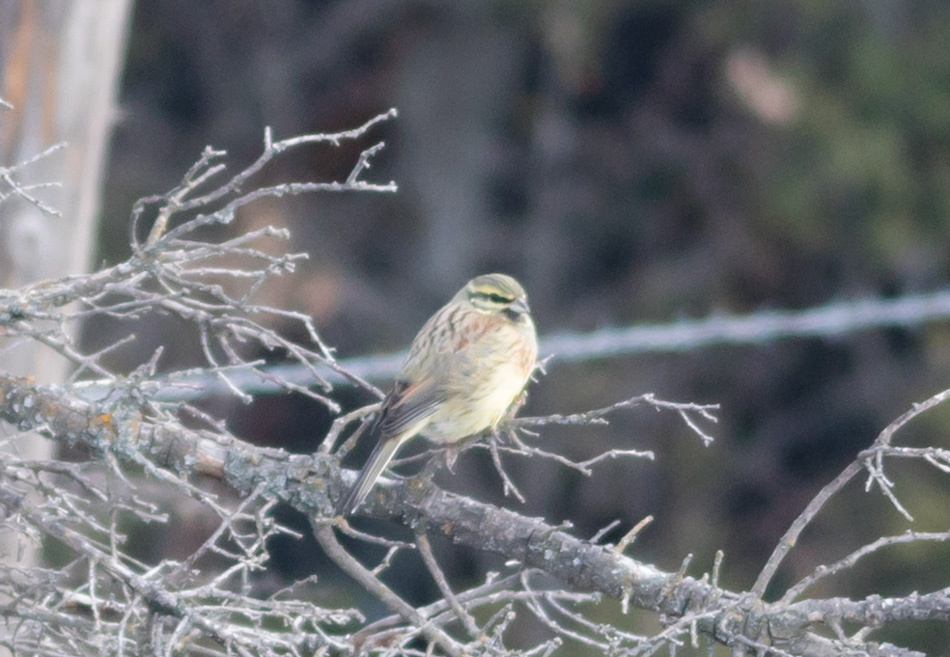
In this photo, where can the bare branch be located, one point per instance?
(369, 581)
(18, 190)
(865, 458)
(849, 561)
(196, 280)
(425, 549)
(310, 483)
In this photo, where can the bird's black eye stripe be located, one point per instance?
(497, 298)
(494, 297)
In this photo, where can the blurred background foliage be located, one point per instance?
(630, 161)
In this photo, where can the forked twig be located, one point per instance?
(376, 588)
(863, 461)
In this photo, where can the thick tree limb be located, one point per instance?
(312, 483)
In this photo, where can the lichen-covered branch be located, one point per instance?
(312, 483)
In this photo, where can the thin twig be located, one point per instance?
(790, 538)
(372, 584)
(849, 561)
(631, 535)
(425, 550)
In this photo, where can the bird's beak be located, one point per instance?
(520, 306)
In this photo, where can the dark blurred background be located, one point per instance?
(628, 161)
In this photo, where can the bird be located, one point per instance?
(465, 368)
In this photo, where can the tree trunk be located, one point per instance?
(59, 68)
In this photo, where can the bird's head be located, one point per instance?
(497, 293)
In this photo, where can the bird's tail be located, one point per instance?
(378, 460)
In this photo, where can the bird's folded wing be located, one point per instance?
(409, 405)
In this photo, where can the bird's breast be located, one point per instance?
(487, 373)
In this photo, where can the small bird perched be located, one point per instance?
(465, 368)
